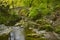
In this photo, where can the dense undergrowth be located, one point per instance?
(32, 14)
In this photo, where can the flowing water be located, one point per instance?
(17, 34)
(13, 33)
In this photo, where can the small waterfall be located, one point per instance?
(17, 34)
(14, 32)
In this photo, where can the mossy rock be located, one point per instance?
(4, 37)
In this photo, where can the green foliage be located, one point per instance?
(5, 13)
(4, 37)
(57, 29)
(43, 39)
(32, 9)
(35, 13)
(40, 7)
(48, 27)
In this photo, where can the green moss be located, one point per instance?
(57, 29)
(4, 37)
(33, 37)
(43, 39)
